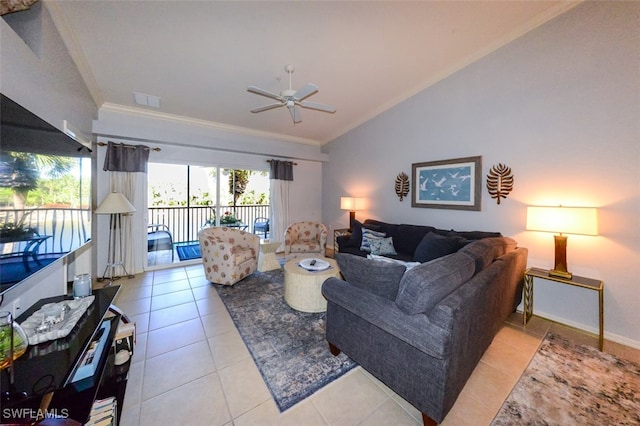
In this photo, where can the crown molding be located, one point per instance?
(188, 121)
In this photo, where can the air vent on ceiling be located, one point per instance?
(146, 100)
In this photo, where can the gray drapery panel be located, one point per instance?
(281, 170)
(126, 158)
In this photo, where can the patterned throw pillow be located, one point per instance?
(382, 246)
(367, 235)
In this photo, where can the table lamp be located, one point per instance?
(352, 204)
(562, 220)
(114, 204)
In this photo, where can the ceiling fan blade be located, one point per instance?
(261, 92)
(267, 107)
(295, 114)
(317, 106)
(306, 91)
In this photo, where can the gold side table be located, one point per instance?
(588, 283)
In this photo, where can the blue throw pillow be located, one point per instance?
(434, 246)
(367, 235)
(382, 246)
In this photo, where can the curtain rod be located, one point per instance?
(295, 164)
(129, 146)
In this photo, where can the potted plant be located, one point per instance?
(228, 218)
(10, 231)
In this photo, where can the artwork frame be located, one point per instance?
(447, 184)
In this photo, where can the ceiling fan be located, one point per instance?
(292, 99)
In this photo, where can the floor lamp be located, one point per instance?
(115, 204)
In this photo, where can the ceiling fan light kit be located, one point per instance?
(292, 99)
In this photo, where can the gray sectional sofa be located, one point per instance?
(423, 331)
(417, 243)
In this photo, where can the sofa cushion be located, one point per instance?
(367, 236)
(423, 287)
(469, 235)
(434, 246)
(382, 246)
(377, 277)
(408, 237)
(484, 251)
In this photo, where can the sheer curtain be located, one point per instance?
(281, 177)
(127, 165)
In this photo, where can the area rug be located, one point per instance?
(571, 384)
(189, 251)
(289, 347)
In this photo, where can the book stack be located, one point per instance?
(103, 412)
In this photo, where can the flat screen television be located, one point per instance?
(45, 194)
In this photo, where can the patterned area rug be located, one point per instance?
(289, 347)
(570, 384)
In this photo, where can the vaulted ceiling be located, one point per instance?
(199, 57)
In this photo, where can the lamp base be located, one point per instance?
(560, 274)
(560, 268)
(113, 277)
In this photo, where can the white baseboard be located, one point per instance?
(607, 335)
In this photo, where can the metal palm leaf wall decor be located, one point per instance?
(499, 181)
(402, 185)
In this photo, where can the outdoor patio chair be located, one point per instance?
(261, 226)
(159, 238)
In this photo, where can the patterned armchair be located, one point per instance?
(305, 238)
(228, 254)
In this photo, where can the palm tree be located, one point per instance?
(238, 180)
(20, 171)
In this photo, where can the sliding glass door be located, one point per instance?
(182, 199)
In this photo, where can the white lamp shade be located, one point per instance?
(347, 203)
(351, 203)
(115, 203)
(563, 220)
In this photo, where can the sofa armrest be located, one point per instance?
(416, 330)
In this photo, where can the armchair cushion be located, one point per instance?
(378, 277)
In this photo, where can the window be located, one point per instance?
(184, 199)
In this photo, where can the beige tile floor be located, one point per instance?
(191, 367)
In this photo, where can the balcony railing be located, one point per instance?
(67, 228)
(185, 222)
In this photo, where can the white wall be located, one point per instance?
(184, 141)
(49, 85)
(561, 107)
